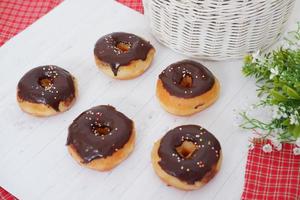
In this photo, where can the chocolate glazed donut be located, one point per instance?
(187, 87)
(101, 133)
(188, 155)
(121, 51)
(202, 80)
(48, 86)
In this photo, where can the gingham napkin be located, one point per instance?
(16, 15)
(134, 4)
(4, 195)
(274, 175)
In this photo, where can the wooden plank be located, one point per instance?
(34, 161)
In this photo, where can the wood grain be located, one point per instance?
(34, 160)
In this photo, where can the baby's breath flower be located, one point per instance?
(296, 151)
(294, 119)
(274, 72)
(256, 56)
(278, 112)
(267, 148)
(277, 144)
(278, 79)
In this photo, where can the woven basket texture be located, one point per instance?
(218, 29)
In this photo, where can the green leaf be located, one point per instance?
(292, 93)
(248, 59)
(296, 131)
(278, 96)
(286, 122)
(297, 85)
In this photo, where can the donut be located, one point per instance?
(46, 90)
(187, 157)
(186, 87)
(123, 55)
(101, 138)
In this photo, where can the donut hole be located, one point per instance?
(186, 81)
(186, 149)
(101, 130)
(46, 83)
(123, 46)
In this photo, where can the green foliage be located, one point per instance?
(277, 77)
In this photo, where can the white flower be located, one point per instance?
(267, 148)
(274, 72)
(275, 141)
(298, 142)
(278, 112)
(277, 145)
(294, 119)
(296, 151)
(257, 56)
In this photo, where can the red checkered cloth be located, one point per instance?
(4, 195)
(16, 15)
(272, 176)
(134, 4)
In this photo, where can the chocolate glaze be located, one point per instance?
(106, 49)
(61, 89)
(194, 168)
(91, 145)
(202, 79)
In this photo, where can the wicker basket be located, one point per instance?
(217, 29)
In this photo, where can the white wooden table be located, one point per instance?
(34, 160)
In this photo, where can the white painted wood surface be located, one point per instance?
(34, 160)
